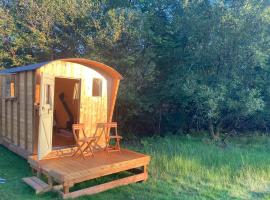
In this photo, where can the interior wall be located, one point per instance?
(66, 86)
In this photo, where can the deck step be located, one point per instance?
(37, 184)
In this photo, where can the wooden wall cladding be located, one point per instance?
(17, 114)
(92, 109)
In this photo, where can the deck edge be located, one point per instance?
(106, 186)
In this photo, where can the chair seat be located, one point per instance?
(115, 137)
(88, 139)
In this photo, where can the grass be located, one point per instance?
(182, 167)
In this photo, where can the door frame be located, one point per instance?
(78, 80)
(80, 85)
(37, 110)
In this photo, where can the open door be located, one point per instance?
(45, 116)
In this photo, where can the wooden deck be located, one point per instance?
(68, 170)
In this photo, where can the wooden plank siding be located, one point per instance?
(37, 80)
(92, 109)
(18, 110)
(3, 111)
(17, 114)
(8, 118)
(21, 98)
(15, 117)
(20, 115)
(29, 110)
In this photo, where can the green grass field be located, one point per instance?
(182, 167)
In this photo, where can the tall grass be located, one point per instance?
(239, 171)
(182, 167)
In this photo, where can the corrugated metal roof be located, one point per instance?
(23, 68)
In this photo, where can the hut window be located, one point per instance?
(10, 86)
(97, 87)
(76, 91)
(37, 94)
(48, 94)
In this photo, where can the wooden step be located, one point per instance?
(38, 185)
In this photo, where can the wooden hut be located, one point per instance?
(39, 104)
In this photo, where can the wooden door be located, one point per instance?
(45, 116)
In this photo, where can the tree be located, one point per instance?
(199, 64)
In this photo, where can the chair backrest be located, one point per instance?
(77, 129)
(108, 126)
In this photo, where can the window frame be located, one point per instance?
(100, 89)
(8, 80)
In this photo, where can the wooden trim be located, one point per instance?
(10, 98)
(3, 113)
(12, 121)
(16, 149)
(29, 110)
(105, 186)
(18, 110)
(68, 77)
(25, 111)
(113, 98)
(22, 109)
(95, 65)
(33, 110)
(8, 111)
(6, 124)
(36, 114)
(1, 96)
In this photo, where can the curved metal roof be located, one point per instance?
(23, 68)
(89, 63)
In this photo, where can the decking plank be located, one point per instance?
(69, 170)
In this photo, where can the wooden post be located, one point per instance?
(38, 173)
(145, 173)
(145, 169)
(50, 180)
(66, 189)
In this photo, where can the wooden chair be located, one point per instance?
(99, 135)
(108, 137)
(84, 144)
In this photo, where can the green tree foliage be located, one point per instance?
(188, 64)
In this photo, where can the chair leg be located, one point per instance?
(118, 145)
(107, 144)
(88, 146)
(79, 149)
(92, 152)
